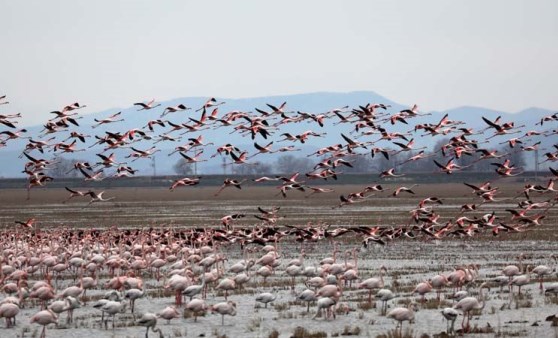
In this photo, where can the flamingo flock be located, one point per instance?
(191, 265)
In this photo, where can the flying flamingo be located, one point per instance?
(390, 173)
(229, 182)
(212, 102)
(110, 119)
(147, 106)
(169, 110)
(98, 197)
(27, 224)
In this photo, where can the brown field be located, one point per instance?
(197, 206)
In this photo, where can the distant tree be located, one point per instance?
(64, 168)
(380, 163)
(361, 164)
(438, 155)
(255, 169)
(290, 163)
(515, 156)
(183, 168)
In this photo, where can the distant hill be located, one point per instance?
(319, 102)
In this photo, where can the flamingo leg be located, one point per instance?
(452, 325)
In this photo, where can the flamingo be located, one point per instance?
(541, 271)
(384, 295)
(467, 304)
(401, 314)
(194, 290)
(265, 298)
(178, 283)
(98, 197)
(44, 318)
(438, 282)
(27, 224)
(110, 119)
(307, 296)
(168, 313)
(422, 289)
(226, 284)
(326, 303)
(373, 283)
(520, 281)
(147, 106)
(149, 320)
(224, 308)
(450, 314)
(75, 193)
(133, 294)
(212, 102)
(169, 110)
(112, 308)
(9, 311)
(196, 306)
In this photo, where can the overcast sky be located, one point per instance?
(440, 54)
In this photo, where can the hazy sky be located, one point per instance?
(439, 54)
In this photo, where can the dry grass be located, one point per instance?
(300, 332)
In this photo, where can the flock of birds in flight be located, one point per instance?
(369, 123)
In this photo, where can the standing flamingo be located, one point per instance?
(326, 303)
(401, 314)
(9, 311)
(149, 320)
(307, 296)
(450, 314)
(168, 313)
(44, 318)
(224, 308)
(467, 304)
(265, 298)
(384, 295)
(196, 306)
